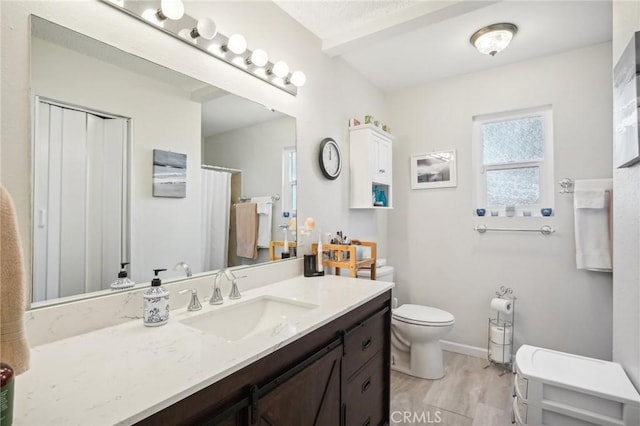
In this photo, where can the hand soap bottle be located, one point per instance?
(156, 303)
(123, 280)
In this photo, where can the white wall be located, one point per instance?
(440, 261)
(262, 170)
(626, 203)
(334, 92)
(163, 230)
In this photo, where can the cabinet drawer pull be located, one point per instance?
(382, 171)
(366, 384)
(367, 422)
(366, 343)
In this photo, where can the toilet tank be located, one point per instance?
(384, 272)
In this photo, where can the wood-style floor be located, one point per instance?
(468, 395)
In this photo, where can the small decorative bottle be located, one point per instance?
(6, 395)
(285, 247)
(320, 257)
(156, 303)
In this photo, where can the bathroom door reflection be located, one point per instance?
(79, 200)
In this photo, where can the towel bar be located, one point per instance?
(544, 230)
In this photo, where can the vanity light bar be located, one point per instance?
(217, 46)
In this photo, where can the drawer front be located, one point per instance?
(363, 342)
(364, 402)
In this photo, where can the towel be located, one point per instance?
(264, 220)
(592, 209)
(14, 349)
(594, 199)
(247, 230)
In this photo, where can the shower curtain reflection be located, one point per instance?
(216, 202)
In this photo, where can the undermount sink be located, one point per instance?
(245, 318)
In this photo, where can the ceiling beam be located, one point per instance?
(422, 14)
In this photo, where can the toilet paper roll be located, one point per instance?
(500, 334)
(500, 353)
(501, 305)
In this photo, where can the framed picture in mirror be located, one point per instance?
(169, 174)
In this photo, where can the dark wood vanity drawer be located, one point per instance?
(363, 342)
(365, 394)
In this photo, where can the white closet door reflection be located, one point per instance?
(78, 200)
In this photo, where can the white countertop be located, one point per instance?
(124, 373)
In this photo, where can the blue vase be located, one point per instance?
(382, 198)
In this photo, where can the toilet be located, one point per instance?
(421, 327)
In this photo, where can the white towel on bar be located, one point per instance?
(264, 205)
(593, 199)
(591, 202)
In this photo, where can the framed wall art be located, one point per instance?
(433, 170)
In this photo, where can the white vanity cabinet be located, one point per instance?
(560, 389)
(370, 165)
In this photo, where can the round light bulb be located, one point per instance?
(172, 9)
(237, 44)
(298, 78)
(205, 28)
(150, 15)
(259, 58)
(280, 69)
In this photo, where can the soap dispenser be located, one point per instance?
(123, 280)
(156, 303)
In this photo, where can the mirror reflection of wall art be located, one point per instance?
(169, 174)
(433, 170)
(625, 105)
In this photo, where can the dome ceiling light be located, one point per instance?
(493, 38)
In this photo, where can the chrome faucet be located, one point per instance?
(235, 292)
(185, 267)
(216, 297)
(194, 304)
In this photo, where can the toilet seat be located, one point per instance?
(423, 315)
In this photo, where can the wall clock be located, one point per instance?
(330, 158)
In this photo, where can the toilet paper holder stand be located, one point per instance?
(500, 334)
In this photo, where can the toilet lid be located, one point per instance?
(423, 314)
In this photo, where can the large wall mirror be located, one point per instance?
(134, 162)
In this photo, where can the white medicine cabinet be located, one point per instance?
(370, 163)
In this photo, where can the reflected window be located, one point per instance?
(289, 181)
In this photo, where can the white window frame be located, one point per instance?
(545, 165)
(287, 183)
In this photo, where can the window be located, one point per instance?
(289, 181)
(514, 161)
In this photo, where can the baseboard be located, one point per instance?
(459, 348)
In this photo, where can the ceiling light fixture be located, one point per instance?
(493, 38)
(169, 17)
